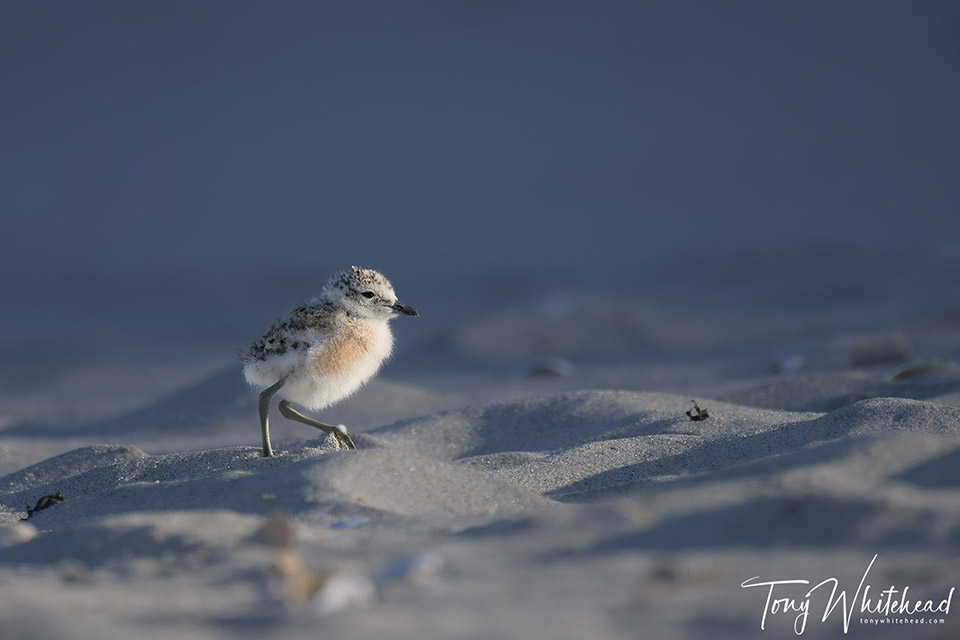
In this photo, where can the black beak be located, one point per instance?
(403, 309)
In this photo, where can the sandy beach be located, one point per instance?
(686, 365)
(503, 504)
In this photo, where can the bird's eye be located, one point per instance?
(367, 294)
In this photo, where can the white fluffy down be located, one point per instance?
(306, 389)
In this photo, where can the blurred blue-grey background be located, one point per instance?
(181, 172)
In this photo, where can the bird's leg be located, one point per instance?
(290, 413)
(265, 397)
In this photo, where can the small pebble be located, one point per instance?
(547, 366)
(932, 366)
(16, 533)
(294, 583)
(291, 580)
(342, 590)
(278, 531)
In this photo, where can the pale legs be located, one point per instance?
(288, 412)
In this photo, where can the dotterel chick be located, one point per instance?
(324, 350)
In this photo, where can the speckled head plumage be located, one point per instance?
(355, 279)
(364, 293)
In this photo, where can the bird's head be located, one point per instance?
(365, 293)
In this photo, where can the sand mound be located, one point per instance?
(580, 446)
(317, 483)
(590, 444)
(574, 488)
(558, 421)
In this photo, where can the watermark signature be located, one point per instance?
(892, 605)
